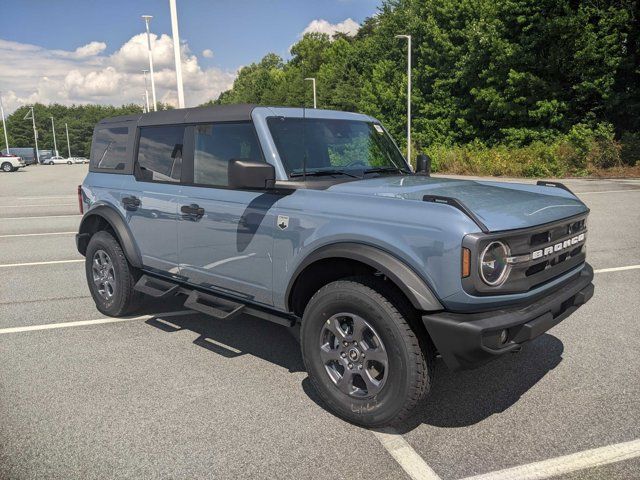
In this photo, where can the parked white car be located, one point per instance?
(58, 160)
(11, 163)
(79, 160)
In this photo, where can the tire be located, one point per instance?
(7, 167)
(69, 163)
(111, 282)
(401, 384)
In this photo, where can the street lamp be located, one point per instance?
(32, 116)
(147, 19)
(313, 81)
(4, 125)
(68, 144)
(55, 144)
(146, 89)
(408, 38)
(176, 51)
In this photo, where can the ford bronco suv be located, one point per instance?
(313, 219)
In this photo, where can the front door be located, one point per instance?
(225, 236)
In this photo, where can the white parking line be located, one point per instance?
(47, 205)
(609, 191)
(617, 269)
(405, 455)
(36, 234)
(30, 264)
(82, 323)
(41, 217)
(553, 467)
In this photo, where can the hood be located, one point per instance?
(499, 205)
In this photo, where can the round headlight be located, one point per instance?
(494, 268)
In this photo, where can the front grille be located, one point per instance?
(540, 255)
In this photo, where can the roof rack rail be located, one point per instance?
(455, 203)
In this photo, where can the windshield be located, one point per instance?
(333, 147)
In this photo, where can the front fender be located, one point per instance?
(415, 289)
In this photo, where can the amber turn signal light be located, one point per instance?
(466, 262)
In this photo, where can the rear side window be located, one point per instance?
(160, 153)
(216, 145)
(109, 148)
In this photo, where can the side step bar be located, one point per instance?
(213, 306)
(154, 287)
(210, 304)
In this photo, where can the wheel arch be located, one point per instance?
(100, 217)
(325, 263)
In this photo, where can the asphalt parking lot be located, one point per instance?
(173, 394)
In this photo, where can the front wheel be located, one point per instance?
(361, 354)
(110, 276)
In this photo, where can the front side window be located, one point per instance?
(160, 153)
(318, 145)
(216, 145)
(109, 148)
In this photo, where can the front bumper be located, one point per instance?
(467, 340)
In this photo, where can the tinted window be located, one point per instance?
(216, 145)
(160, 153)
(109, 148)
(346, 145)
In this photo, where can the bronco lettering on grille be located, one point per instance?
(558, 247)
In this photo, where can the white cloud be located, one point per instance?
(86, 75)
(348, 27)
(207, 53)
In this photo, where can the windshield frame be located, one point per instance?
(393, 157)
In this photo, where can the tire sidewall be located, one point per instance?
(383, 407)
(4, 167)
(104, 241)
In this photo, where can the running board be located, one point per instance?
(213, 306)
(154, 287)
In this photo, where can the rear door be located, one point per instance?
(150, 196)
(225, 235)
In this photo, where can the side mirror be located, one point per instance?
(249, 174)
(423, 165)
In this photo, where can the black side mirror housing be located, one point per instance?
(423, 165)
(252, 175)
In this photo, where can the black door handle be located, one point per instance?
(131, 203)
(193, 210)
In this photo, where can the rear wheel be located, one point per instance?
(7, 167)
(110, 276)
(361, 354)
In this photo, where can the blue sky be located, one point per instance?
(41, 47)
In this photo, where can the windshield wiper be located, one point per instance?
(320, 173)
(384, 169)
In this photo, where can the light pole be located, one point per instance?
(146, 89)
(35, 132)
(313, 82)
(4, 125)
(55, 144)
(408, 37)
(68, 144)
(147, 19)
(176, 51)
(145, 110)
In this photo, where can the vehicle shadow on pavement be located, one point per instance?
(460, 399)
(241, 336)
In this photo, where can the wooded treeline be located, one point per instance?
(487, 74)
(513, 87)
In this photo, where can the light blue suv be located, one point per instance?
(313, 218)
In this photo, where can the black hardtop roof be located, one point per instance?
(214, 113)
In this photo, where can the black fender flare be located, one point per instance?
(119, 226)
(412, 285)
